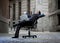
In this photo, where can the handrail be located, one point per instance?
(55, 12)
(3, 19)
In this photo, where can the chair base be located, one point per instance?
(33, 36)
(29, 34)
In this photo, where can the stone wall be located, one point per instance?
(23, 6)
(3, 27)
(4, 14)
(53, 5)
(53, 22)
(33, 5)
(47, 23)
(43, 23)
(4, 5)
(42, 5)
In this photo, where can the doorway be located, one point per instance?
(19, 10)
(58, 14)
(58, 4)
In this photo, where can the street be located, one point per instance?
(42, 37)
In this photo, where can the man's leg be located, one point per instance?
(21, 24)
(17, 32)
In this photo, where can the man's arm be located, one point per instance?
(42, 15)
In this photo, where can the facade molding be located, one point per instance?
(55, 12)
(3, 19)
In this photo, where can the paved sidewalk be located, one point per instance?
(42, 37)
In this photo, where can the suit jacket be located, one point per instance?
(35, 17)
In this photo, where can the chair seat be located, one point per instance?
(29, 27)
(33, 36)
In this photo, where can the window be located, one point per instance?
(13, 11)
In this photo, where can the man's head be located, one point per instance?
(39, 12)
(25, 12)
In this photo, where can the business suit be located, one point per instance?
(30, 22)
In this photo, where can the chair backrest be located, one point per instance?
(31, 26)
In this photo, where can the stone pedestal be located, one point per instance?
(3, 25)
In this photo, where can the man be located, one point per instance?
(24, 17)
(30, 22)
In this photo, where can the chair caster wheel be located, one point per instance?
(35, 36)
(23, 36)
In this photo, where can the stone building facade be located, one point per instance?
(11, 10)
(50, 21)
(4, 16)
(48, 7)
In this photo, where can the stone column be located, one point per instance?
(4, 15)
(16, 10)
(24, 6)
(53, 20)
(11, 15)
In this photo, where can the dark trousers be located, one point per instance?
(22, 24)
(19, 25)
(17, 32)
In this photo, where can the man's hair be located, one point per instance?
(39, 12)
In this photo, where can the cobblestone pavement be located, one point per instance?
(42, 37)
